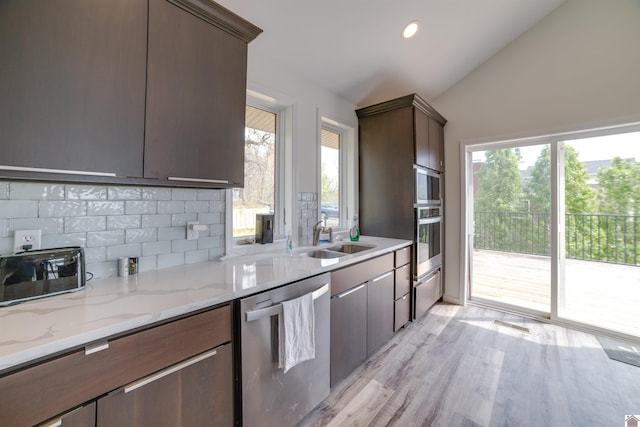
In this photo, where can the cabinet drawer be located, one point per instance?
(39, 392)
(402, 312)
(427, 293)
(402, 256)
(349, 277)
(403, 281)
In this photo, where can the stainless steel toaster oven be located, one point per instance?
(41, 273)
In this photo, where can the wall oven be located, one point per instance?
(428, 246)
(427, 187)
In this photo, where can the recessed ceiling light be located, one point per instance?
(410, 29)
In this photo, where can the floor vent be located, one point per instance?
(512, 326)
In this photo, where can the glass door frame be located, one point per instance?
(557, 250)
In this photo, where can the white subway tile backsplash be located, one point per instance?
(184, 194)
(103, 269)
(86, 192)
(62, 240)
(113, 221)
(141, 207)
(156, 194)
(105, 238)
(140, 235)
(124, 193)
(93, 255)
(105, 208)
(196, 206)
(47, 225)
(84, 223)
(192, 257)
(115, 252)
(169, 260)
(4, 190)
(172, 233)
(147, 263)
(184, 245)
(36, 191)
(6, 245)
(124, 222)
(163, 220)
(171, 207)
(63, 208)
(156, 248)
(18, 209)
(178, 220)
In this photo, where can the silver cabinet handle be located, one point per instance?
(404, 297)
(95, 347)
(350, 291)
(382, 277)
(170, 370)
(213, 181)
(54, 423)
(277, 308)
(60, 171)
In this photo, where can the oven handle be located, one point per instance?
(430, 220)
(276, 309)
(423, 279)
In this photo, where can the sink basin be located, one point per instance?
(351, 248)
(323, 254)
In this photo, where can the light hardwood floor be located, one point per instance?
(457, 367)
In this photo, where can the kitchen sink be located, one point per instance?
(351, 248)
(337, 251)
(323, 254)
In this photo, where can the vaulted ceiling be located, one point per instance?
(354, 48)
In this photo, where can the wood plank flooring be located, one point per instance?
(457, 367)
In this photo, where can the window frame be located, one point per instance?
(283, 174)
(347, 170)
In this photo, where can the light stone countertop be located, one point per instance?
(105, 307)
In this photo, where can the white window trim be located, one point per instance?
(283, 211)
(348, 169)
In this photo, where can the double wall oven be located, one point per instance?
(428, 240)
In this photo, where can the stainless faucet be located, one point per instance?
(317, 230)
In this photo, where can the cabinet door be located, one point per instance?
(198, 394)
(427, 293)
(348, 331)
(73, 85)
(84, 416)
(196, 92)
(379, 311)
(421, 129)
(436, 146)
(403, 281)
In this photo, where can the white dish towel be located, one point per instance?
(296, 337)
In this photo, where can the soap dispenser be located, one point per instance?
(354, 232)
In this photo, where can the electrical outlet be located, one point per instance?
(23, 238)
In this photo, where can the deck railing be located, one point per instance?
(593, 237)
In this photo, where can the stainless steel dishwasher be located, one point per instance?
(269, 396)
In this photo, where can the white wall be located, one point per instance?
(579, 68)
(310, 102)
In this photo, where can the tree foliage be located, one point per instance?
(619, 188)
(499, 182)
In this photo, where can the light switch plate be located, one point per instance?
(191, 233)
(27, 237)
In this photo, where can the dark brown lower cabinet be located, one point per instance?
(348, 331)
(84, 416)
(195, 392)
(379, 311)
(427, 292)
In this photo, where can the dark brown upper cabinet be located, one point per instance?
(72, 85)
(416, 123)
(123, 91)
(196, 95)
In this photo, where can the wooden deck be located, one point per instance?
(595, 293)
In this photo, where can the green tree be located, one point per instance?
(579, 197)
(619, 187)
(499, 182)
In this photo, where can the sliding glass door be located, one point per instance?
(511, 199)
(553, 228)
(601, 261)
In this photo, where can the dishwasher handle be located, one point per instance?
(276, 309)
